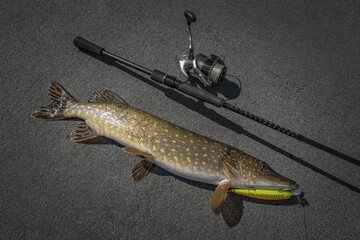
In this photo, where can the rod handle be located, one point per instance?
(88, 46)
(196, 92)
(201, 94)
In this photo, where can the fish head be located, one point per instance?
(267, 178)
(247, 171)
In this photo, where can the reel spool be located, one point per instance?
(214, 68)
(209, 70)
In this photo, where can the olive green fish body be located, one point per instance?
(173, 148)
(177, 150)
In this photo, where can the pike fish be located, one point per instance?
(177, 150)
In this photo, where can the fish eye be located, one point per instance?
(264, 166)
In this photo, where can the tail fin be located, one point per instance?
(54, 111)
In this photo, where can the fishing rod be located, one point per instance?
(181, 86)
(208, 70)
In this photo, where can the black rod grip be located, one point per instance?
(195, 92)
(87, 45)
(201, 94)
(158, 76)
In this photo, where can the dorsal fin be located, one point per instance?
(106, 96)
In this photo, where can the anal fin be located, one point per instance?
(83, 133)
(141, 170)
(135, 151)
(219, 195)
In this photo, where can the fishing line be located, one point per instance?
(305, 225)
(304, 203)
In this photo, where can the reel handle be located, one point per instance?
(88, 46)
(190, 17)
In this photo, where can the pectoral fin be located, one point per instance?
(219, 195)
(141, 170)
(136, 152)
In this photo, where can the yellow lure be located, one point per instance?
(265, 194)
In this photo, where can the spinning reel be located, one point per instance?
(209, 70)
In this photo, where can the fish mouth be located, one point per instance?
(282, 186)
(293, 188)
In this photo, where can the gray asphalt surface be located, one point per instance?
(298, 62)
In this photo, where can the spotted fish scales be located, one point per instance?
(178, 150)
